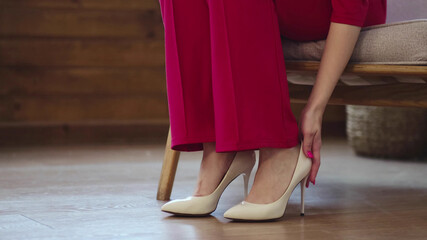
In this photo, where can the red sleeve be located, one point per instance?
(352, 12)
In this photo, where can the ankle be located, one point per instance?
(212, 169)
(275, 170)
(273, 154)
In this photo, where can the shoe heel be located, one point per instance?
(246, 176)
(302, 186)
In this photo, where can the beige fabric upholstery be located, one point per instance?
(403, 43)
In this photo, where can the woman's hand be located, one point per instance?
(310, 125)
(338, 48)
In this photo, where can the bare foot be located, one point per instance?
(274, 174)
(212, 169)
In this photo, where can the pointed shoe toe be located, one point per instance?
(174, 206)
(194, 206)
(246, 211)
(236, 212)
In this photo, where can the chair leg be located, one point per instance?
(170, 163)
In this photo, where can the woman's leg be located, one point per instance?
(307, 20)
(226, 81)
(226, 76)
(188, 73)
(302, 21)
(250, 91)
(189, 87)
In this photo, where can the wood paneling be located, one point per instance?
(80, 107)
(81, 52)
(83, 132)
(87, 81)
(88, 60)
(131, 5)
(51, 22)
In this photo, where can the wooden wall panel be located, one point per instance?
(41, 81)
(81, 60)
(50, 22)
(81, 52)
(133, 5)
(69, 108)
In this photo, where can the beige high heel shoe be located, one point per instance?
(275, 210)
(243, 163)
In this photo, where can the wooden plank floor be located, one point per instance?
(108, 192)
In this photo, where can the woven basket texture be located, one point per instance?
(387, 132)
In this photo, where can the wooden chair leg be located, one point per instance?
(170, 163)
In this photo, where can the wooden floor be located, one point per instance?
(108, 192)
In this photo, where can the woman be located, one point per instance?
(228, 93)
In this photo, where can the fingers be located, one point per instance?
(307, 147)
(307, 144)
(316, 158)
(312, 143)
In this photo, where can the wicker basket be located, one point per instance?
(387, 132)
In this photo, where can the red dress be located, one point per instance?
(225, 70)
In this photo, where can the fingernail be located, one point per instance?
(314, 182)
(310, 155)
